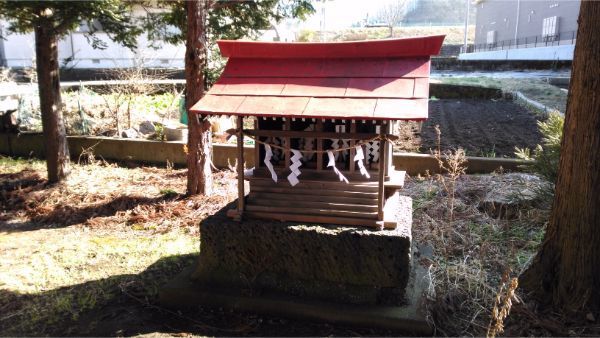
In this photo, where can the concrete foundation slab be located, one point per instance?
(341, 275)
(407, 320)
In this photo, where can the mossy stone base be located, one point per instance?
(322, 262)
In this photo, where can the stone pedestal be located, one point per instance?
(339, 275)
(322, 262)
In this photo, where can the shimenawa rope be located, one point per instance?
(360, 143)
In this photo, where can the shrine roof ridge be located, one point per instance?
(386, 48)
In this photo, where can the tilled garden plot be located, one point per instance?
(481, 127)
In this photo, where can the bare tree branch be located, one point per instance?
(393, 13)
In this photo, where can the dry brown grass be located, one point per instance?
(473, 250)
(105, 195)
(502, 305)
(454, 34)
(74, 247)
(110, 232)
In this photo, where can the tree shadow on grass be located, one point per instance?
(15, 188)
(104, 307)
(21, 193)
(126, 305)
(66, 215)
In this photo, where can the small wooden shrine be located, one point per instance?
(322, 116)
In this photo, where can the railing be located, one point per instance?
(562, 38)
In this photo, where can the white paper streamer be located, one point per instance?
(268, 156)
(294, 167)
(373, 148)
(293, 179)
(373, 151)
(335, 170)
(359, 157)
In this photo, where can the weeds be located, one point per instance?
(546, 155)
(470, 252)
(131, 83)
(453, 163)
(502, 304)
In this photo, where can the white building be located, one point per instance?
(75, 51)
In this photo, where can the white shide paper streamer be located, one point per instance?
(373, 148)
(294, 167)
(359, 157)
(268, 156)
(335, 170)
(373, 151)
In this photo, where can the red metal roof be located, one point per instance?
(380, 79)
(418, 46)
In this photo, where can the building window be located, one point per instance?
(491, 38)
(90, 26)
(95, 61)
(550, 29)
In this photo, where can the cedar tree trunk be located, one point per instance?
(199, 177)
(57, 152)
(566, 270)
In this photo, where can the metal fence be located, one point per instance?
(562, 38)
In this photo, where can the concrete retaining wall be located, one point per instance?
(135, 150)
(453, 64)
(450, 91)
(551, 53)
(156, 152)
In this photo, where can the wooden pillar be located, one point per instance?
(319, 127)
(388, 150)
(382, 172)
(351, 165)
(256, 146)
(240, 166)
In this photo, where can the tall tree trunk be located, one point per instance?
(566, 271)
(55, 138)
(199, 177)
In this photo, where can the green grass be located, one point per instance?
(70, 273)
(535, 89)
(10, 165)
(55, 274)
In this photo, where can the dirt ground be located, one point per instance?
(88, 256)
(481, 127)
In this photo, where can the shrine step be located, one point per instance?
(308, 184)
(311, 211)
(288, 217)
(282, 190)
(301, 202)
(312, 196)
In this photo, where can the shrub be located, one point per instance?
(545, 156)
